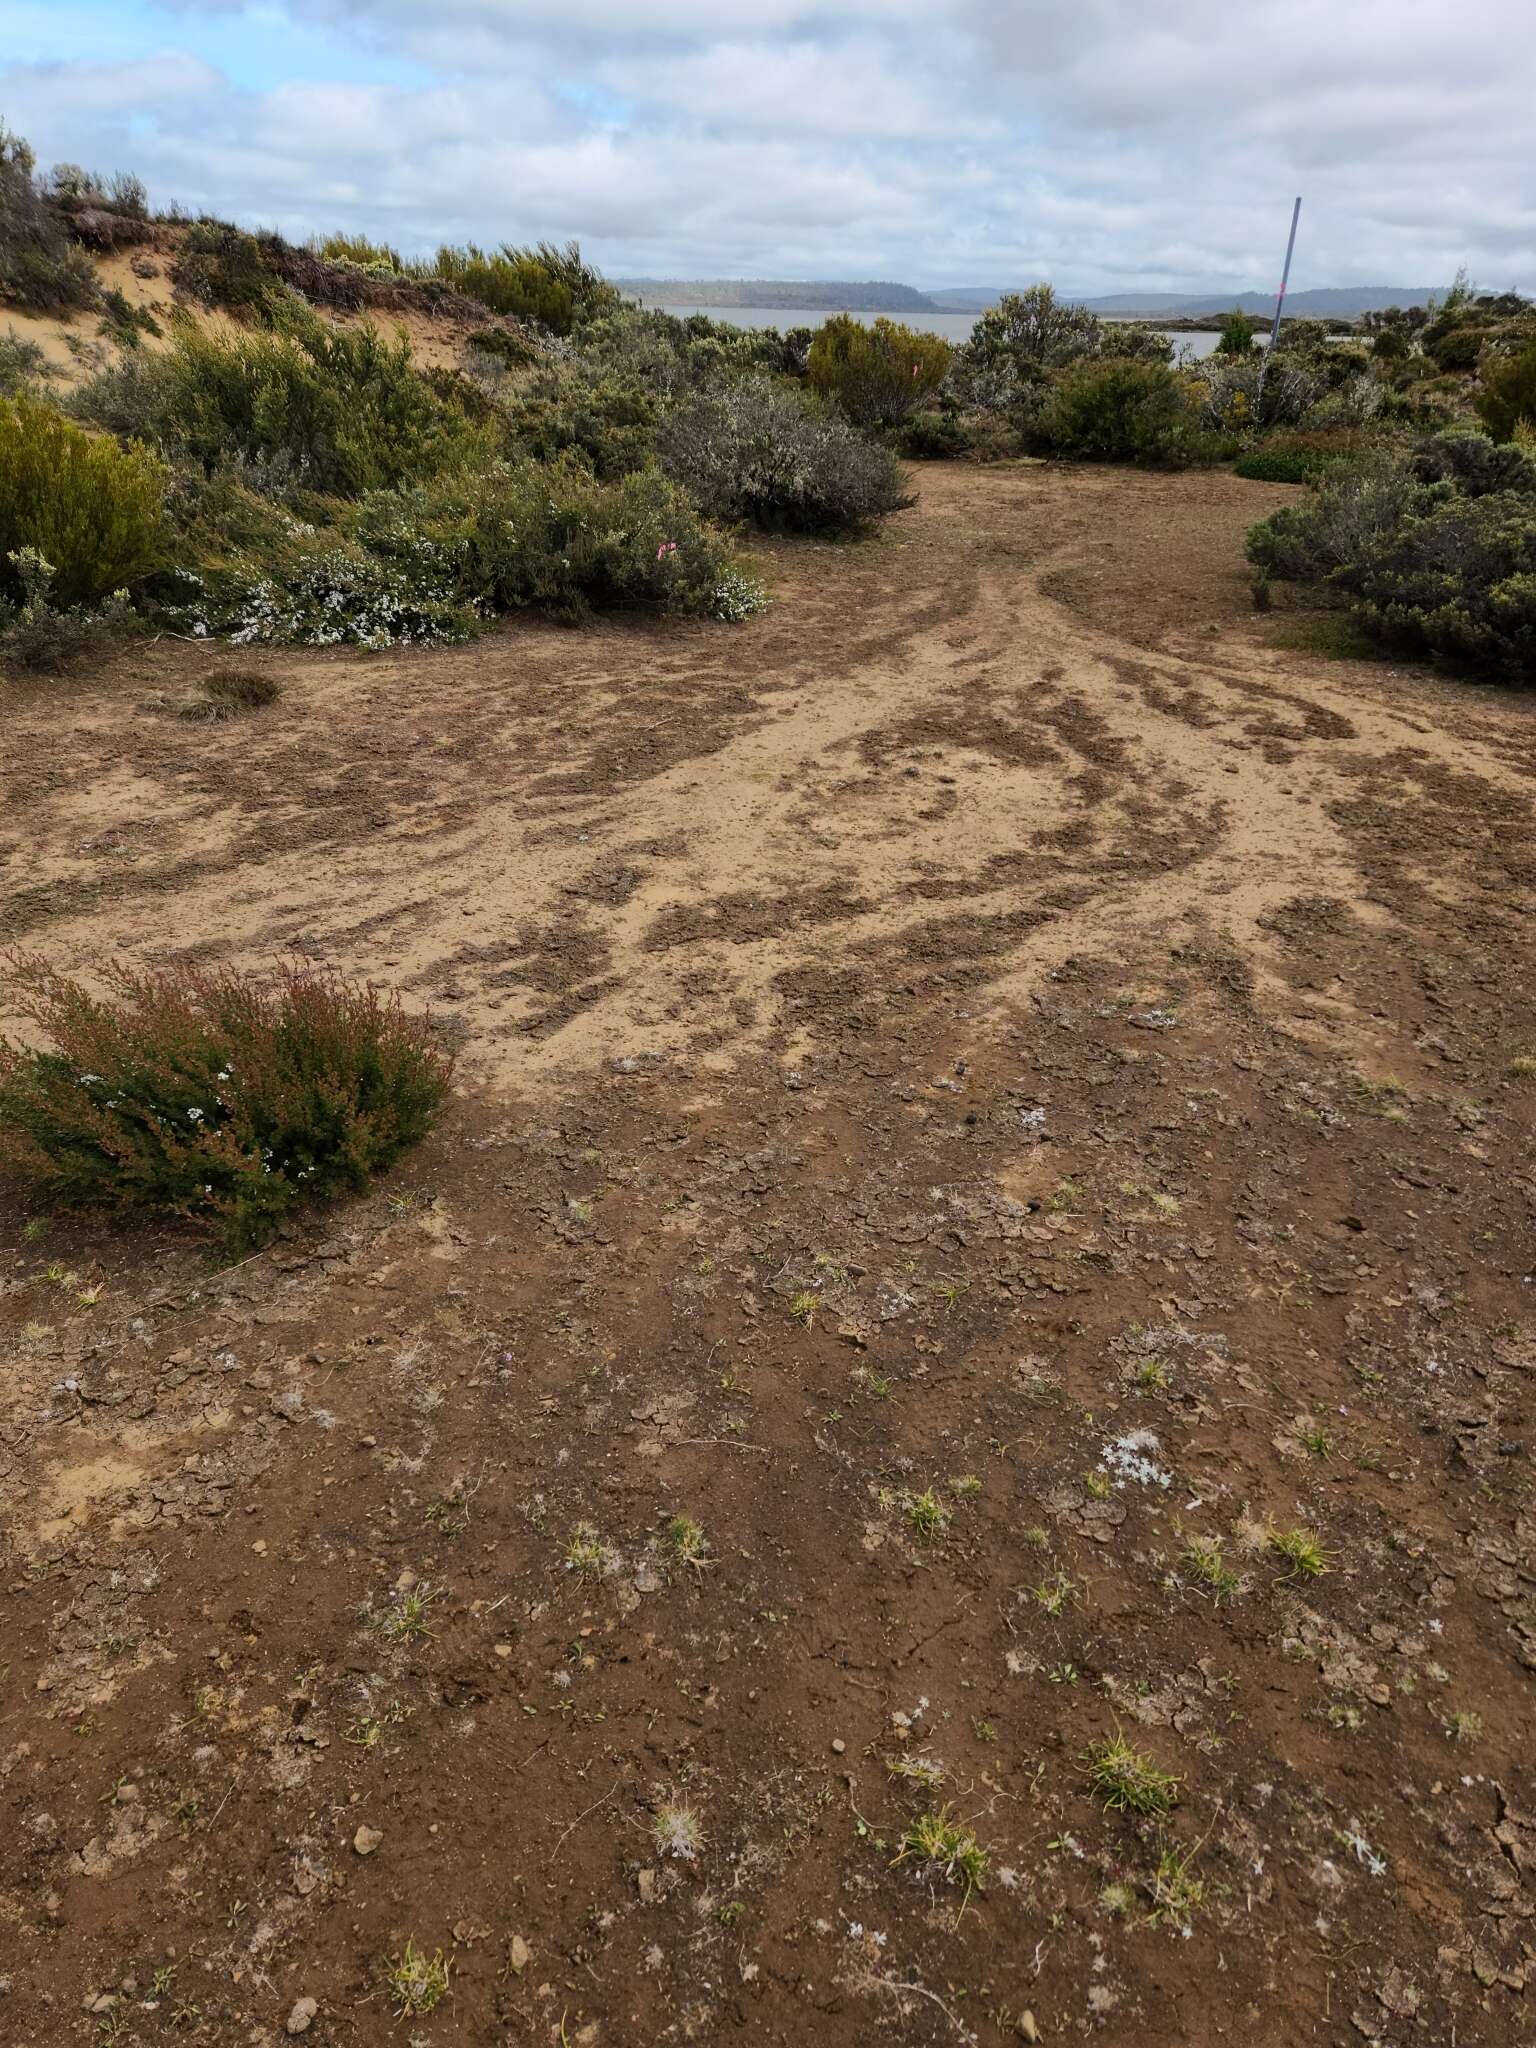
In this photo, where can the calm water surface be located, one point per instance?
(953, 326)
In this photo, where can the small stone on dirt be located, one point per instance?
(302, 2018)
(367, 1839)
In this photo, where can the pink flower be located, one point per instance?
(668, 547)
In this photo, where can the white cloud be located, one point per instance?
(1104, 143)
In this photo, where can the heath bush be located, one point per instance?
(759, 450)
(1118, 411)
(343, 405)
(41, 269)
(1508, 394)
(880, 374)
(226, 1098)
(91, 509)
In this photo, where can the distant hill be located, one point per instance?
(1336, 302)
(816, 295)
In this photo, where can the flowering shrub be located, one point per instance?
(37, 634)
(551, 535)
(738, 596)
(758, 450)
(226, 1098)
(336, 595)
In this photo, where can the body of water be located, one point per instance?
(955, 327)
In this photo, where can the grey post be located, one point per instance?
(1274, 329)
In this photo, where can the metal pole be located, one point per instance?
(1274, 325)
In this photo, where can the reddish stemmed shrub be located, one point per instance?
(223, 1097)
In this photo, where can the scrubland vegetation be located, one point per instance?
(279, 477)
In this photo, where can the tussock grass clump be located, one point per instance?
(418, 1982)
(1126, 1780)
(228, 692)
(944, 1849)
(226, 1098)
(1302, 1550)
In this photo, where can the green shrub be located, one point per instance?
(1294, 458)
(552, 286)
(219, 265)
(1034, 330)
(759, 450)
(93, 510)
(358, 249)
(22, 364)
(1474, 464)
(226, 1098)
(41, 269)
(1457, 579)
(38, 635)
(932, 435)
(1118, 411)
(879, 374)
(555, 537)
(1508, 394)
(1236, 336)
(1347, 513)
(612, 424)
(345, 406)
(1433, 561)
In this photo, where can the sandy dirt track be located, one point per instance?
(997, 1090)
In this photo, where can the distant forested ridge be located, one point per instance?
(816, 295)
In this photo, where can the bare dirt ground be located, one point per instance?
(994, 1091)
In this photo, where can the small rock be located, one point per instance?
(367, 1839)
(302, 2018)
(838, 1745)
(1026, 2027)
(519, 1955)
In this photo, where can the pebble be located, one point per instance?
(838, 1745)
(367, 1839)
(302, 2018)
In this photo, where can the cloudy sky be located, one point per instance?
(1100, 143)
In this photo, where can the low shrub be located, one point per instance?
(555, 537)
(93, 510)
(1119, 411)
(1431, 564)
(222, 266)
(759, 450)
(1294, 458)
(323, 590)
(226, 1098)
(1507, 399)
(1474, 464)
(345, 406)
(41, 269)
(549, 285)
(1236, 335)
(609, 422)
(1457, 579)
(22, 364)
(1346, 515)
(45, 638)
(929, 436)
(880, 373)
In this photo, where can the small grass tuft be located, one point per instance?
(926, 1771)
(406, 1619)
(1176, 1893)
(417, 1982)
(947, 1850)
(687, 1542)
(803, 1305)
(1204, 1562)
(586, 1554)
(1464, 1727)
(1126, 1780)
(1302, 1550)
(678, 1831)
(927, 1516)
